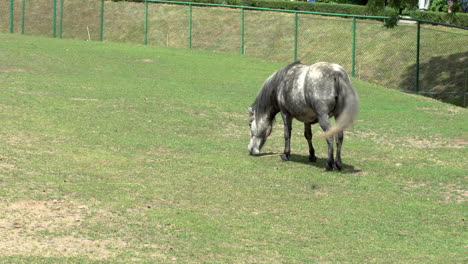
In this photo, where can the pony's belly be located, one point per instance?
(300, 110)
(306, 116)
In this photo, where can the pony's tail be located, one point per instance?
(348, 97)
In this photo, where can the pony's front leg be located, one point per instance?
(325, 125)
(287, 120)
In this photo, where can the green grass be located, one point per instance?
(383, 56)
(119, 153)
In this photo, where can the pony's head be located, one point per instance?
(260, 129)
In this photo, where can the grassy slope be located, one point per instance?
(138, 154)
(270, 35)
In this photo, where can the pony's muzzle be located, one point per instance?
(256, 143)
(254, 152)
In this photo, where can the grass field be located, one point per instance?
(119, 153)
(383, 56)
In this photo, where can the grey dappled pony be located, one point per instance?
(311, 94)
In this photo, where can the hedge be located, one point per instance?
(460, 19)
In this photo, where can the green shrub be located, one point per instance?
(459, 19)
(439, 5)
(294, 5)
(351, 2)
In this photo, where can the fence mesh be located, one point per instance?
(269, 35)
(216, 29)
(88, 13)
(444, 64)
(168, 25)
(37, 16)
(124, 22)
(383, 56)
(323, 38)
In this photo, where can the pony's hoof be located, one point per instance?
(285, 157)
(312, 158)
(338, 166)
(329, 167)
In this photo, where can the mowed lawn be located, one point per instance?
(119, 153)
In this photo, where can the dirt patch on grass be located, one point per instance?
(147, 60)
(412, 185)
(432, 142)
(50, 228)
(29, 143)
(2, 106)
(11, 70)
(417, 142)
(162, 152)
(451, 193)
(19, 140)
(7, 166)
(83, 99)
(445, 111)
(454, 194)
(235, 125)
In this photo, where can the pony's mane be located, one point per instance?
(266, 98)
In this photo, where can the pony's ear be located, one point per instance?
(250, 109)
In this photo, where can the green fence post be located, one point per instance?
(296, 25)
(190, 27)
(418, 50)
(12, 16)
(54, 19)
(353, 59)
(101, 26)
(23, 9)
(242, 50)
(466, 88)
(61, 18)
(146, 22)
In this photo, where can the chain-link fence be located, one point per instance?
(416, 56)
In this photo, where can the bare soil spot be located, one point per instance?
(446, 111)
(361, 134)
(234, 130)
(454, 194)
(6, 166)
(147, 60)
(412, 185)
(161, 151)
(433, 142)
(48, 228)
(417, 142)
(161, 154)
(19, 140)
(11, 70)
(2, 106)
(84, 99)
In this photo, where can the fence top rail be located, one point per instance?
(301, 12)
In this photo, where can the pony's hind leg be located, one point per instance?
(339, 143)
(287, 119)
(325, 125)
(308, 136)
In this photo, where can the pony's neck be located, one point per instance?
(266, 103)
(266, 111)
